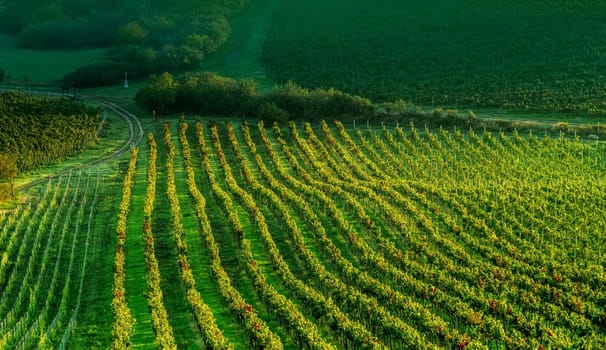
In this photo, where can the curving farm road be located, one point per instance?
(136, 134)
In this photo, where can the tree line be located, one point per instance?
(142, 36)
(161, 37)
(211, 94)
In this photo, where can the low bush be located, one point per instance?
(209, 93)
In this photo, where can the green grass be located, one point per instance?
(136, 272)
(240, 56)
(548, 117)
(120, 95)
(41, 66)
(94, 322)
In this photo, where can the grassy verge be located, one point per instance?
(136, 273)
(94, 320)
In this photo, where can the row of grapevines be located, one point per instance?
(76, 308)
(361, 280)
(348, 331)
(24, 264)
(41, 330)
(19, 314)
(68, 287)
(376, 262)
(164, 332)
(10, 224)
(15, 225)
(37, 130)
(498, 332)
(439, 296)
(44, 321)
(432, 323)
(529, 253)
(492, 302)
(48, 294)
(123, 321)
(448, 245)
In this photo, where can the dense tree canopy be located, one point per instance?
(160, 36)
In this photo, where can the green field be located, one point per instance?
(41, 66)
(543, 55)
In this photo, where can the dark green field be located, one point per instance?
(540, 55)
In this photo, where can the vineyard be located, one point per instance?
(382, 239)
(120, 231)
(238, 236)
(37, 130)
(43, 263)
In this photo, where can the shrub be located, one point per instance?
(159, 93)
(209, 93)
(270, 113)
